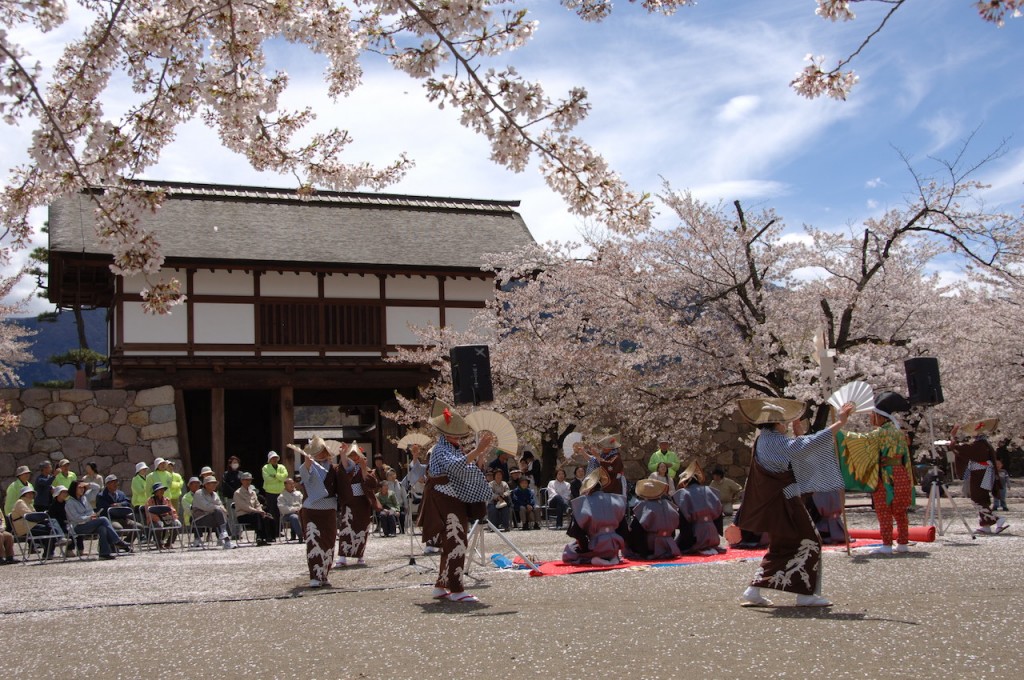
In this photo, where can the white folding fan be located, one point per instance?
(413, 438)
(498, 425)
(859, 392)
(569, 444)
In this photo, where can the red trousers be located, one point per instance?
(897, 510)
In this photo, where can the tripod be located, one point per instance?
(933, 511)
(477, 552)
(410, 528)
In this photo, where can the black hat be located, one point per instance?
(887, 403)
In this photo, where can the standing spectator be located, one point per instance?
(664, 455)
(380, 470)
(578, 475)
(400, 495)
(175, 487)
(64, 474)
(14, 488)
(501, 463)
(531, 468)
(274, 475)
(1003, 481)
(80, 515)
(140, 490)
(250, 512)
(44, 486)
(159, 475)
(523, 502)
(289, 504)
(208, 511)
(232, 478)
(94, 483)
(661, 474)
(558, 496)
(497, 507)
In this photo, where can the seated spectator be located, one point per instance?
(59, 518)
(85, 521)
(94, 483)
(661, 475)
(208, 511)
(14, 488)
(514, 475)
(22, 527)
(232, 480)
(289, 503)
(400, 494)
(523, 502)
(250, 512)
(380, 470)
(558, 496)
(167, 526)
(497, 508)
(729, 491)
(186, 500)
(6, 544)
(389, 510)
(578, 475)
(113, 497)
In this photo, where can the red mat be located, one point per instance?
(917, 534)
(560, 568)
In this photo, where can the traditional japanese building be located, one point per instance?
(292, 306)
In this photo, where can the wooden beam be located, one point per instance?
(285, 424)
(217, 438)
(184, 452)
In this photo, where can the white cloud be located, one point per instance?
(944, 128)
(738, 108)
(872, 204)
(739, 189)
(874, 183)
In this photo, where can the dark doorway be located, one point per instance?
(248, 423)
(197, 419)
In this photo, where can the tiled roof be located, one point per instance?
(253, 224)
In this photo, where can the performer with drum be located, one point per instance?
(782, 468)
(455, 492)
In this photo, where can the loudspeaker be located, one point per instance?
(923, 381)
(471, 374)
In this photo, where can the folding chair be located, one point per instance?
(236, 528)
(37, 542)
(128, 534)
(160, 533)
(87, 539)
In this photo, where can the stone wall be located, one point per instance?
(113, 428)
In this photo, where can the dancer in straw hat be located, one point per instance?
(357, 501)
(319, 513)
(976, 465)
(456, 491)
(782, 468)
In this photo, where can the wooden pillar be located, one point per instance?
(217, 438)
(183, 449)
(286, 425)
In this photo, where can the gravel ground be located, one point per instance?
(944, 610)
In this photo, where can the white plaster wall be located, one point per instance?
(135, 284)
(468, 289)
(411, 288)
(221, 282)
(224, 323)
(288, 284)
(351, 286)
(164, 328)
(399, 318)
(459, 319)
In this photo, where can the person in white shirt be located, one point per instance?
(558, 496)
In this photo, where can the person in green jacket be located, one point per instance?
(15, 487)
(141, 491)
(65, 476)
(274, 475)
(175, 487)
(159, 475)
(663, 455)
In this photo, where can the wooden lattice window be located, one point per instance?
(332, 325)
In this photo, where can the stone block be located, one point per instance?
(75, 396)
(159, 431)
(124, 472)
(120, 416)
(10, 393)
(8, 464)
(32, 418)
(166, 447)
(137, 454)
(102, 433)
(103, 462)
(724, 458)
(109, 450)
(162, 414)
(79, 429)
(36, 397)
(74, 419)
(111, 398)
(57, 427)
(45, 446)
(158, 396)
(12, 400)
(126, 434)
(78, 448)
(58, 408)
(94, 415)
(139, 418)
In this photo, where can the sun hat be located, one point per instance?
(109, 478)
(22, 470)
(651, 489)
(447, 421)
(771, 410)
(140, 466)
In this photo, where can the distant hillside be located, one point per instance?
(57, 337)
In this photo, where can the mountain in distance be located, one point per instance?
(57, 337)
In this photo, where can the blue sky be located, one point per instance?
(700, 99)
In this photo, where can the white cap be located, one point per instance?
(207, 470)
(273, 454)
(109, 478)
(140, 466)
(57, 489)
(26, 489)
(158, 462)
